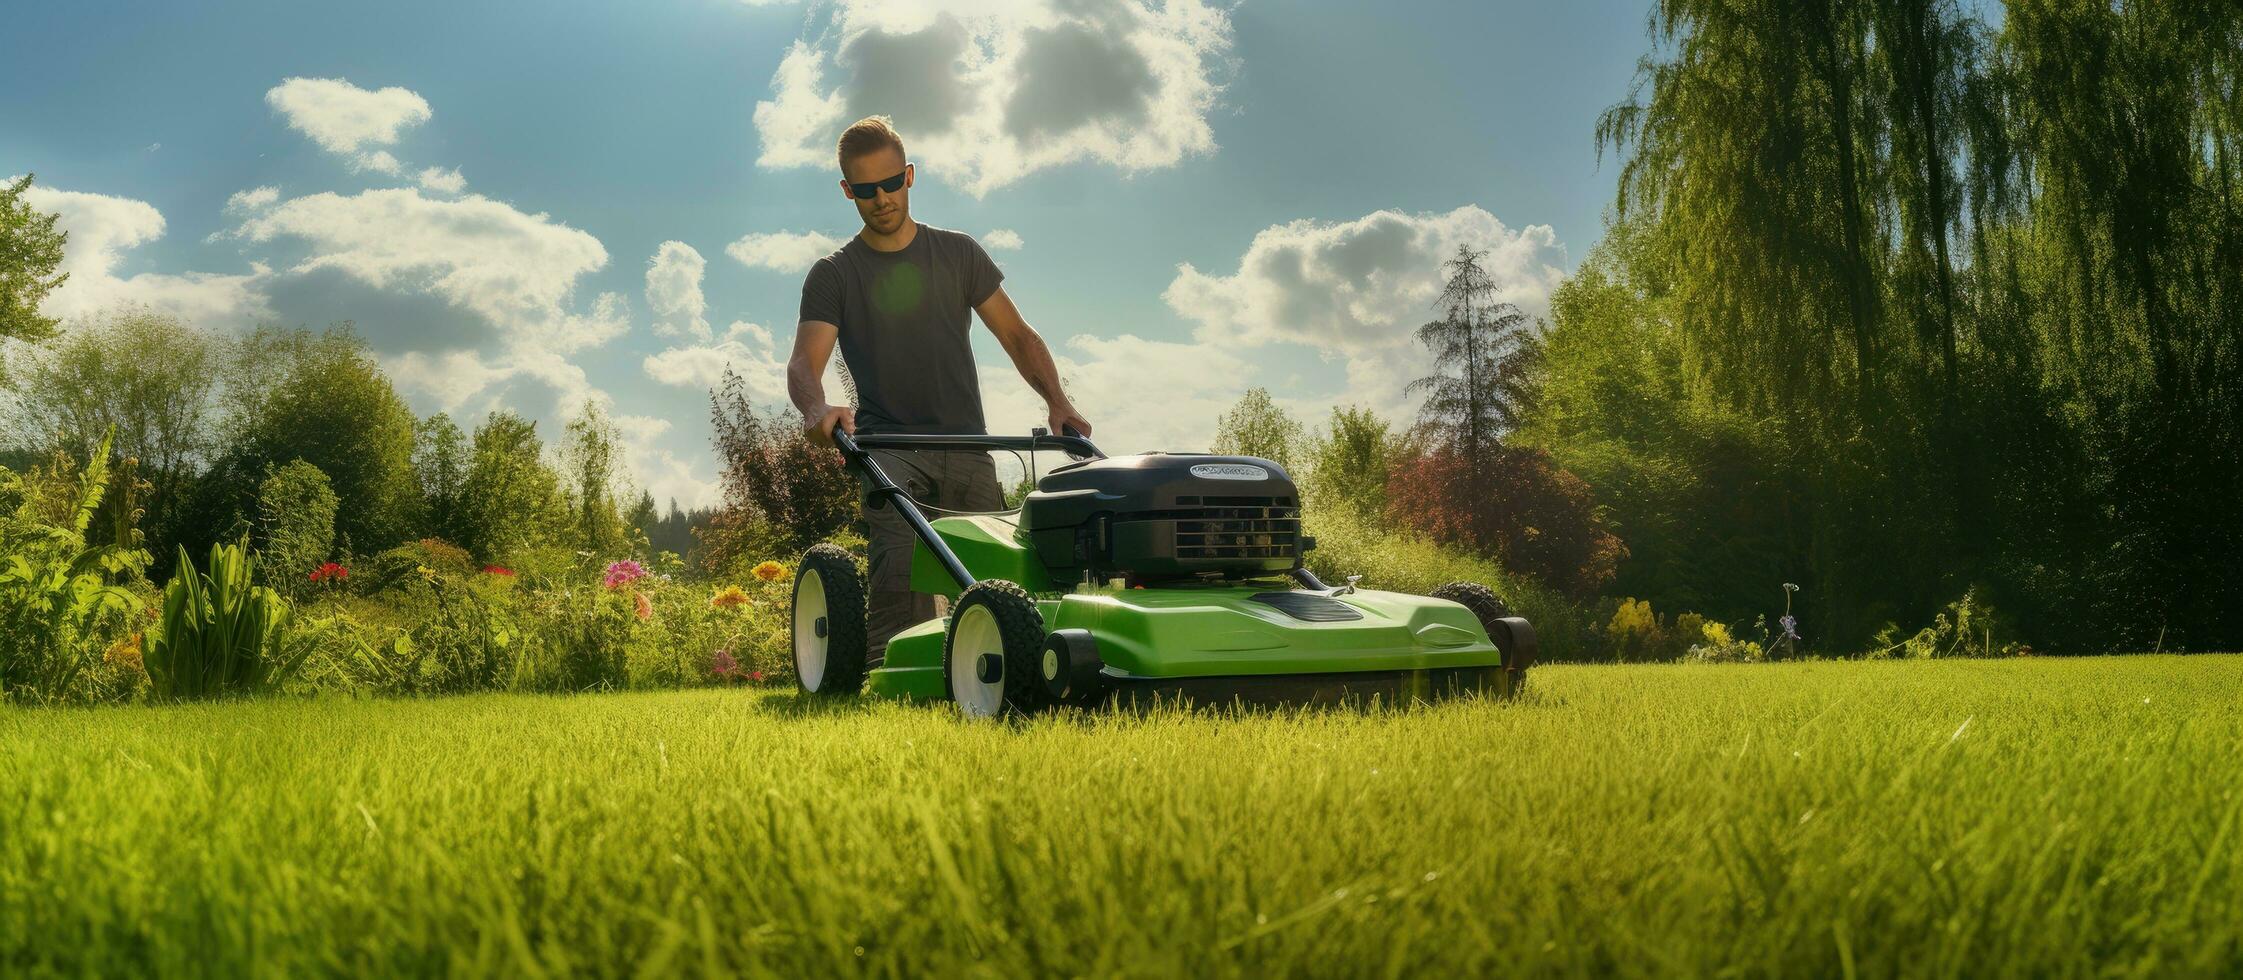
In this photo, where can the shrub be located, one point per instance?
(59, 610)
(295, 525)
(1966, 627)
(582, 638)
(220, 633)
(782, 493)
(1516, 506)
(400, 566)
(1716, 645)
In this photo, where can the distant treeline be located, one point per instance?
(1900, 301)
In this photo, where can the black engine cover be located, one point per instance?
(1161, 515)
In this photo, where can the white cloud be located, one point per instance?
(659, 471)
(350, 121)
(440, 180)
(747, 348)
(783, 251)
(379, 161)
(1138, 394)
(253, 199)
(1357, 285)
(517, 271)
(673, 291)
(1002, 238)
(102, 228)
(987, 93)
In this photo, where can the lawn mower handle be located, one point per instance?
(856, 455)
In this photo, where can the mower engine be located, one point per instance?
(1158, 516)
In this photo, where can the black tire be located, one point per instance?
(834, 650)
(1495, 617)
(994, 617)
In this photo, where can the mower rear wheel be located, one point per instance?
(1503, 629)
(992, 652)
(829, 623)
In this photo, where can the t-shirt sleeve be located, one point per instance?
(982, 275)
(821, 293)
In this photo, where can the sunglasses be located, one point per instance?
(893, 184)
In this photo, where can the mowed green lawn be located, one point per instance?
(2029, 817)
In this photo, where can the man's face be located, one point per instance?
(885, 211)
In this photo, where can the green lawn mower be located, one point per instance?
(1157, 576)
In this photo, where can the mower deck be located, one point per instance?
(1251, 642)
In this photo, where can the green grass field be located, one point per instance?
(1945, 818)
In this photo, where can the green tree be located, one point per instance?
(1349, 461)
(593, 467)
(1256, 426)
(440, 461)
(322, 399)
(511, 500)
(295, 524)
(30, 249)
(149, 378)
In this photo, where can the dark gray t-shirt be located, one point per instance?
(906, 320)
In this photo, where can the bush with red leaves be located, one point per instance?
(1519, 508)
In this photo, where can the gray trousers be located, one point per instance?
(951, 479)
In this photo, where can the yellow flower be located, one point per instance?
(770, 571)
(426, 572)
(729, 597)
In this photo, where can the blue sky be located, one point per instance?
(1204, 197)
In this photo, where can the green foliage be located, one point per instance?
(30, 251)
(593, 469)
(583, 639)
(1348, 462)
(511, 501)
(1961, 298)
(440, 463)
(147, 377)
(295, 524)
(1966, 627)
(1694, 489)
(1257, 427)
(220, 633)
(320, 398)
(1714, 645)
(63, 601)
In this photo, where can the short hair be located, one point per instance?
(868, 135)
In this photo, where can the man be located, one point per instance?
(896, 297)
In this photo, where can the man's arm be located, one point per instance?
(806, 371)
(1031, 358)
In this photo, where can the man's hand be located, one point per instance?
(820, 427)
(1064, 417)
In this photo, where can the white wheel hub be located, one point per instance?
(812, 632)
(974, 635)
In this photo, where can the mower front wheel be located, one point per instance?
(829, 623)
(1509, 633)
(992, 653)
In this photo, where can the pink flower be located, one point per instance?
(622, 573)
(722, 665)
(644, 604)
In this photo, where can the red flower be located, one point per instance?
(330, 572)
(498, 570)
